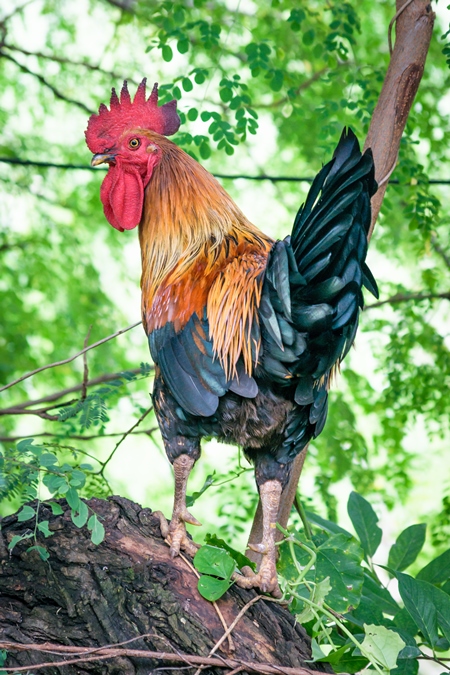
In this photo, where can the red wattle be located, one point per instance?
(122, 195)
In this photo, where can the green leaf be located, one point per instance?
(417, 600)
(191, 499)
(43, 553)
(308, 37)
(316, 653)
(54, 483)
(212, 589)
(27, 445)
(73, 498)
(167, 53)
(350, 663)
(407, 547)
(438, 570)
(326, 525)
(80, 514)
(409, 652)
(364, 521)
(183, 46)
(215, 561)
(48, 459)
(43, 527)
(77, 478)
(405, 622)
(192, 114)
(97, 530)
(240, 558)
(378, 596)
(56, 508)
(18, 537)
(383, 646)
(318, 595)
(205, 150)
(26, 513)
(187, 84)
(339, 558)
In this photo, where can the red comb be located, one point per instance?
(103, 129)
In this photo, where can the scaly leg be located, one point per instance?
(266, 577)
(176, 533)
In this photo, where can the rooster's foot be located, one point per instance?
(266, 579)
(175, 532)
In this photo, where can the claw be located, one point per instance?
(175, 533)
(266, 579)
(189, 518)
(258, 548)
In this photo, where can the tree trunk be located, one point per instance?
(128, 586)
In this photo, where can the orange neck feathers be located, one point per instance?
(188, 220)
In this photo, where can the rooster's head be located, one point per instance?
(126, 137)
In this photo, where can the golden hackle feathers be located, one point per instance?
(231, 310)
(199, 251)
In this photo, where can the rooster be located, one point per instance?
(245, 332)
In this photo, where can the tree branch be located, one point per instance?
(76, 437)
(108, 377)
(440, 251)
(124, 436)
(71, 358)
(45, 83)
(406, 297)
(88, 654)
(414, 28)
(63, 60)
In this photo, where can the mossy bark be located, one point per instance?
(87, 595)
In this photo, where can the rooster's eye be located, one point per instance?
(134, 143)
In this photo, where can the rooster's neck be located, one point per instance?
(189, 228)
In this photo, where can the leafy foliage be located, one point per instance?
(334, 590)
(263, 92)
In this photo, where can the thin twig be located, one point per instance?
(406, 297)
(71, 358)
(108, 377)
(230, 628)
(124, 436)
(45, 83)
(304, 85)
(393, 20)
(216, 607)
(85, 367)
(61, 59)
(226, 176)
(76, 437)
(87, 654)
(438, 248)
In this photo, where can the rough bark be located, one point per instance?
(87, 595)
(413, 30)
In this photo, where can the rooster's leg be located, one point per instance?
(175, 532)
(266, 577)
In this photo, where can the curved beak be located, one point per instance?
(101, 158)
